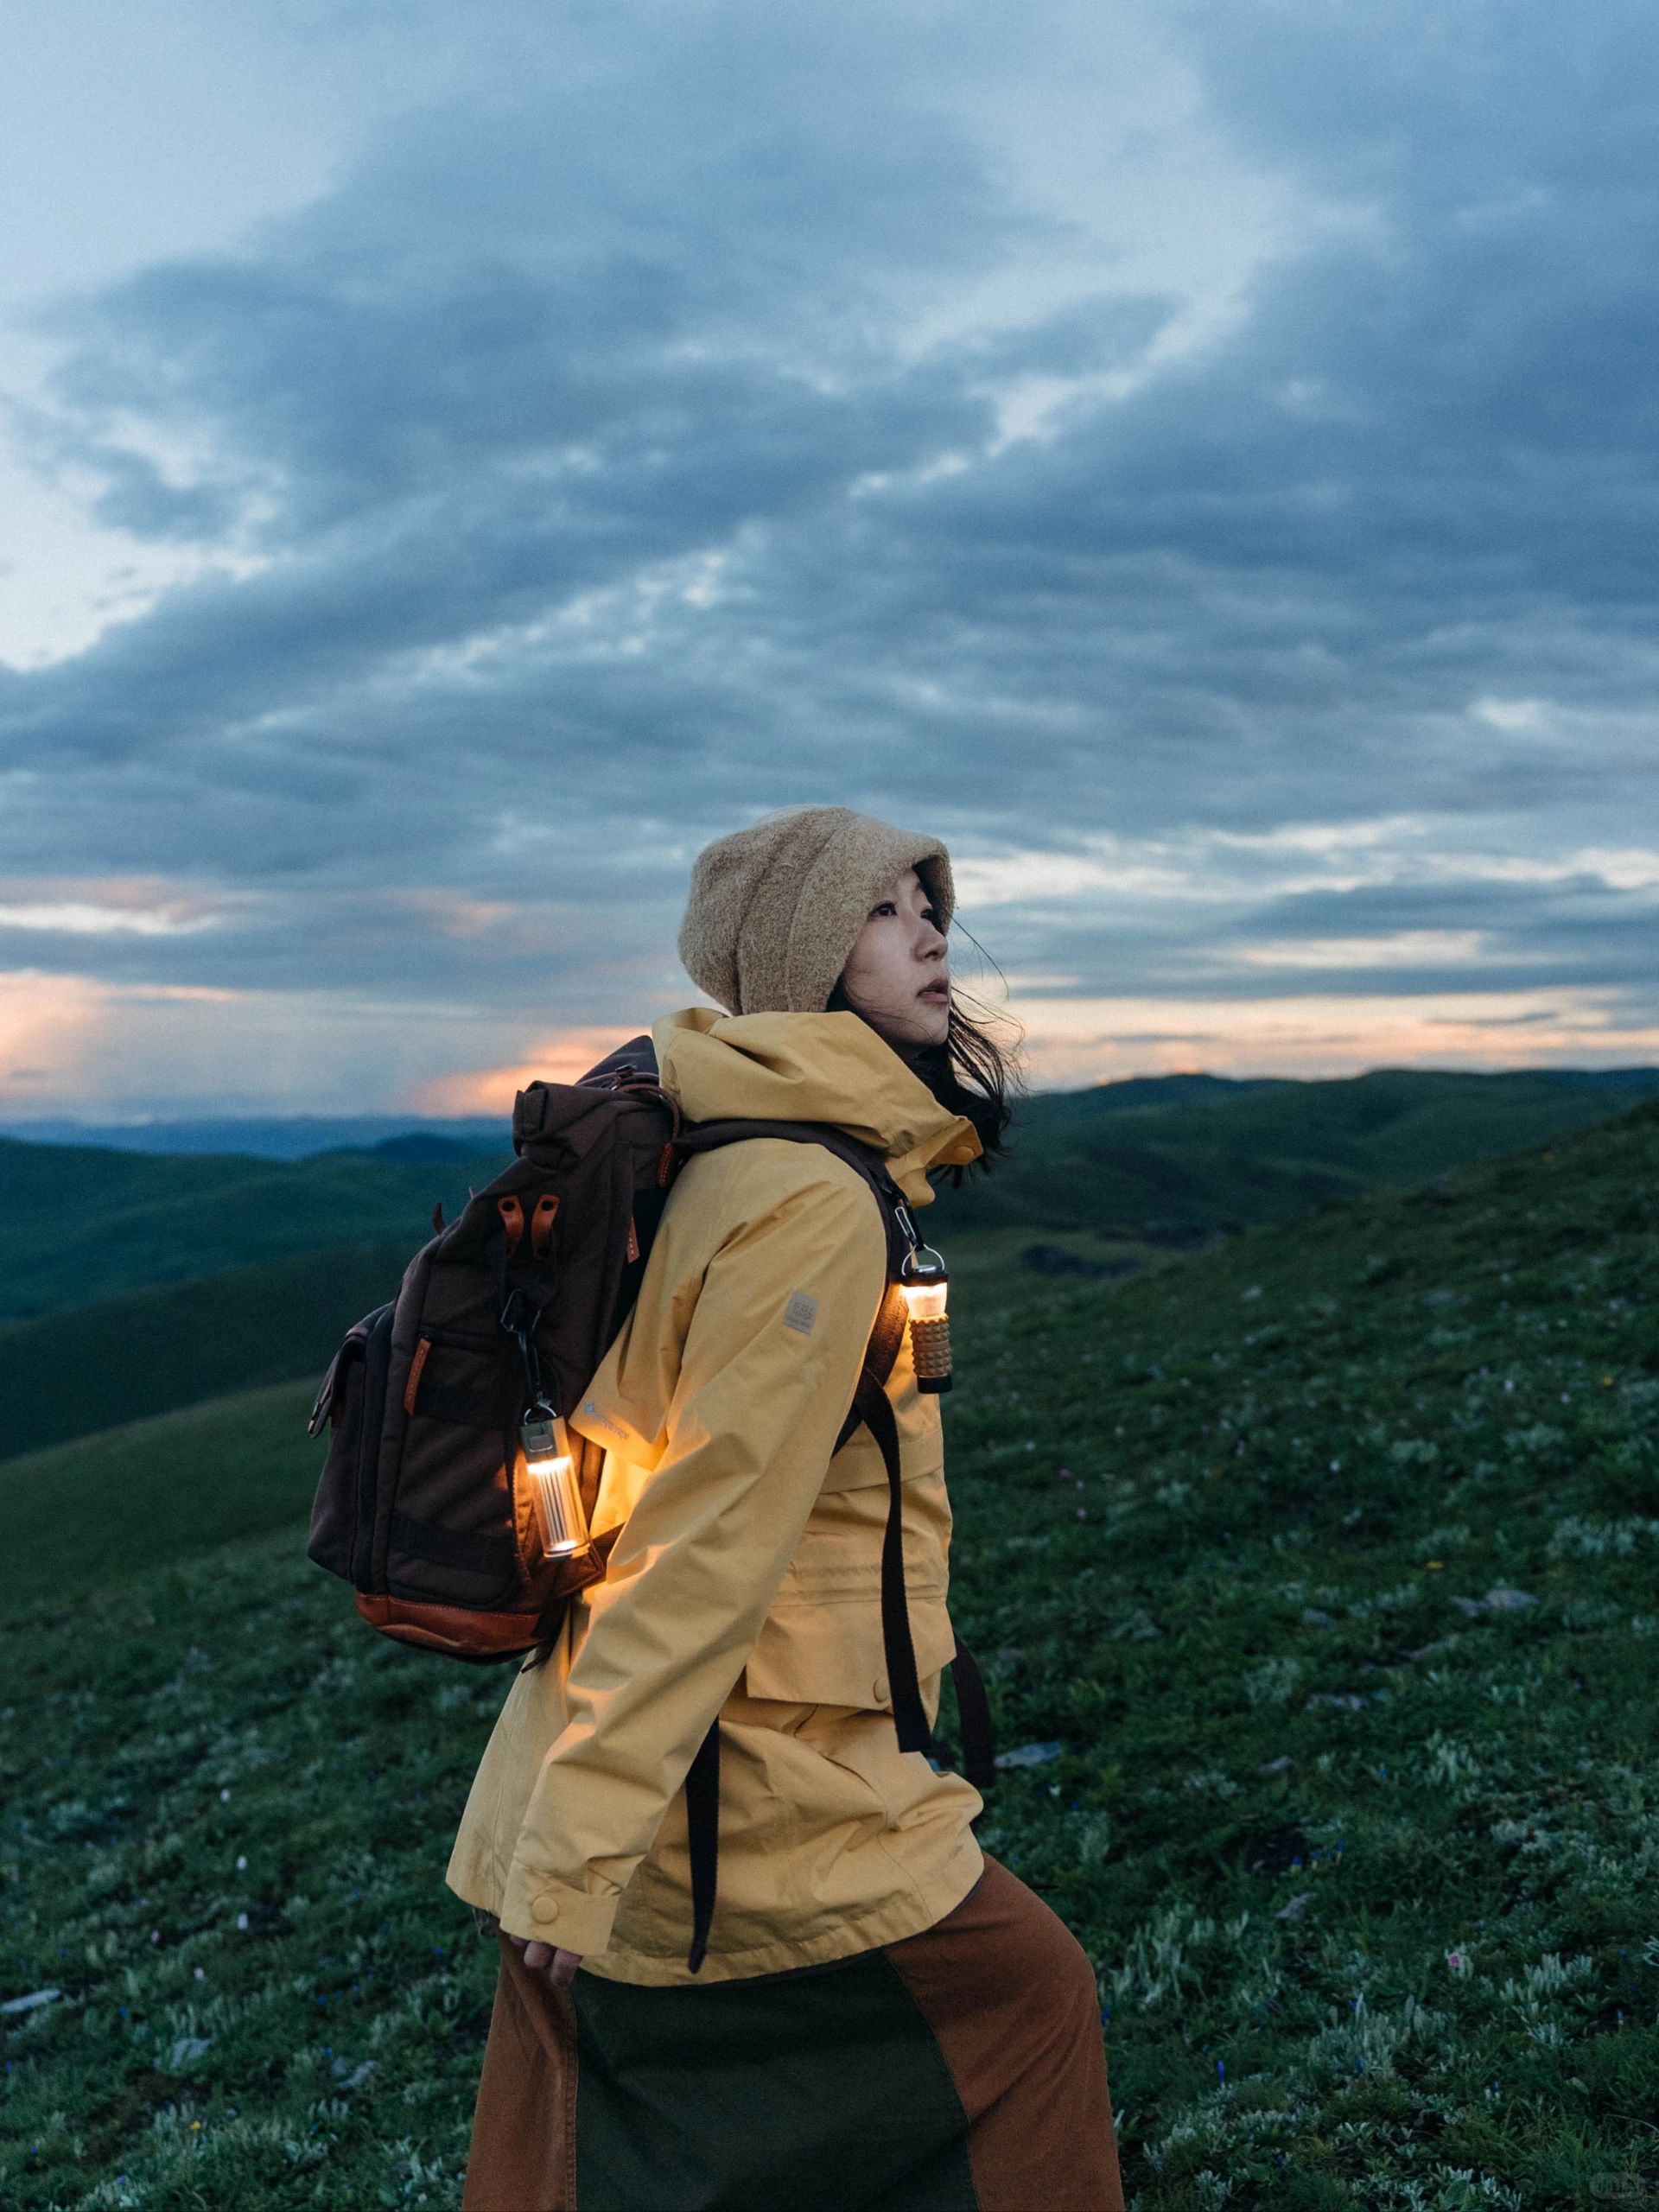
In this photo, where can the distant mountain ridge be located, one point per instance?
(293, 1136)
(301, 1136)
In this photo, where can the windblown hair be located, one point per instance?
(973, 1072)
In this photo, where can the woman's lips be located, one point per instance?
(934, 991)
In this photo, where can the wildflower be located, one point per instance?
(224, 1797)
(200, 1973)
(242, 1863)
(1459, 1962)
(242, 1920)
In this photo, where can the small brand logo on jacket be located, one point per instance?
(801, 1311)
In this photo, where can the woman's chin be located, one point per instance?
(913, 1029)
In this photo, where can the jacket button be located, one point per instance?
(543, 1908)
(879, 1689)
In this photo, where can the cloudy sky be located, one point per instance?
(1199, 459)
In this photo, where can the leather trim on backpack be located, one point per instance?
(455, 1630)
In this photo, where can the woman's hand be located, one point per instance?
(560, 1967)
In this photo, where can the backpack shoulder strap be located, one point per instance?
(864, 1159)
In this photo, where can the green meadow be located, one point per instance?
(1314, 1577)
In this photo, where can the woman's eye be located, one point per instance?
(885, 907)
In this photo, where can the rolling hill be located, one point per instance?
(160, 1279)
(120, 1358)
(109, 1508)
(1314, 1580)
(1207, 1153)
(80, 1224)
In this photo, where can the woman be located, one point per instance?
(884, 2017)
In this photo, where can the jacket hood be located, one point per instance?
(812, 1067)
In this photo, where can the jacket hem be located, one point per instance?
(844, 1937)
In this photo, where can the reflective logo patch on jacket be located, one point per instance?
(801, 1311)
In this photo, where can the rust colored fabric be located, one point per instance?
(957, 2071)
(524, 2156)
(1010, 1996)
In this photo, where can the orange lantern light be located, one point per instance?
(924, 1282)
(555, 1490)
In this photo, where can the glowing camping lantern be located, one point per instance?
(923, 1281)
(553, 1485)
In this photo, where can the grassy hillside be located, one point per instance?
(123, 1358)
(1316, 1576)
(103, 1511)
(1190, 1148)
(82, 1225)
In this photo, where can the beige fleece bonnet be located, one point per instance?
(776, 908)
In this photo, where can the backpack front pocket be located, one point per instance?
(347, 1405)
(452, 1534)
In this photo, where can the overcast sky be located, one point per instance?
(1199, 460)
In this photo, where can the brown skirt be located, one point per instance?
(959, 2071)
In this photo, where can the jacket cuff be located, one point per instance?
(548, 1911)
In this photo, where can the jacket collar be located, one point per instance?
(812, 1067)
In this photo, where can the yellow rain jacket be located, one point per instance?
(746, 1578)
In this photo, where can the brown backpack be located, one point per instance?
(423, 1504)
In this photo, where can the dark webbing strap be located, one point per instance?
(973, 1718)
(871, 1409)
(874, 1408)
(878, 1355)
(703, 1840)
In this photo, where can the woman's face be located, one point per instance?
(898, 974)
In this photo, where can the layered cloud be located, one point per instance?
(1204, 464)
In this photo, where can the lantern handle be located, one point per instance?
(917, 1255)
